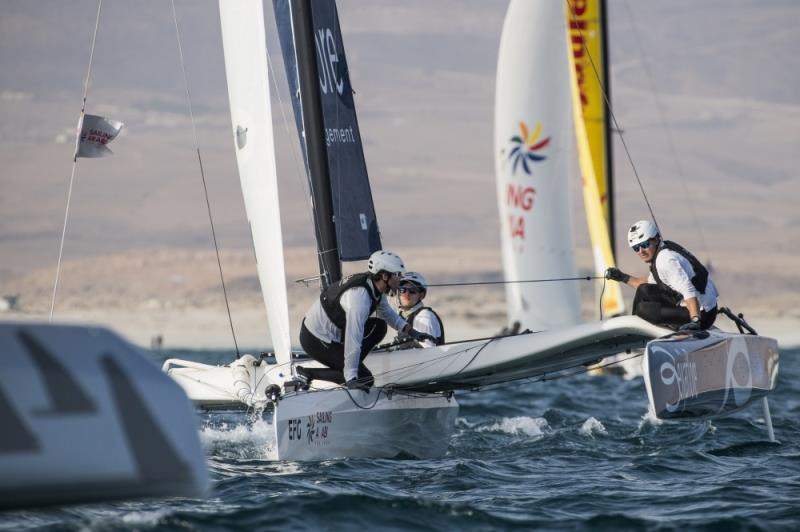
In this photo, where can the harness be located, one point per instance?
(330, 298)
(700, 279)
(410, 320)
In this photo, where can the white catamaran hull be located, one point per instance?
(338, 423)
(711, 377)
(326, 421)
(686, 378)
(447, 367)
(410, 410)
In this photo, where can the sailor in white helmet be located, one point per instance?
(413, 289)
(678, 292)
(338, 330)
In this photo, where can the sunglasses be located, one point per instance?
(643, 245)
(412, 291)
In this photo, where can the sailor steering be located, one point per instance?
(678, 292)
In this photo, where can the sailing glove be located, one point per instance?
(693, 325)
(615, 274)
(355, 384)
(420, 336)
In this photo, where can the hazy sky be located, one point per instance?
(423, 71)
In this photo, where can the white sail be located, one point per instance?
(534, 142)
(244, 47)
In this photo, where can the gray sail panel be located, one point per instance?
(283, 21)
(354, 213)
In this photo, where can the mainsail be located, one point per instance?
(322, 97)
(243, 42)
(533, 146)
(587, 55)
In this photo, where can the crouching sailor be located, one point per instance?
(338, 331)
(679, 292)
(413, 289)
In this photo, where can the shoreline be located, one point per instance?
(209, 329)
(175, 293)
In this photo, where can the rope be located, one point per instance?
(203, 177)
(562, 375)
(670, 142)
(75, 160)
(602, 292)
(613, 116)
(474, 283)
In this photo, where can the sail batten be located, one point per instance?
(244, 48)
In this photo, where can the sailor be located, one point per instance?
(679, 292)
(413, 289)
(338, 330)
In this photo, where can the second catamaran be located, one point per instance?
(411, 409)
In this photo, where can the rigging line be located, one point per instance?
(602, 291)
(361, 407)
(584, 278)
(75, 160)
(611, 113)
(668, 131)
(410, 369)
(543, 377)
(203, 177)
(471, 360)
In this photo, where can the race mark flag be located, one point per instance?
(95, 133)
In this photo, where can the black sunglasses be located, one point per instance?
(643, 245)
(405, 290)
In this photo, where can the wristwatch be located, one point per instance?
(695, 319)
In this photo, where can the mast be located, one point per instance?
(330, 267)
(609, 144)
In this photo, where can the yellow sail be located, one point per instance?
(583, 40)
(586, 47)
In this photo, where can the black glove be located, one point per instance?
(355, 384)
(420, 336)
(693, 325)
(615, 274)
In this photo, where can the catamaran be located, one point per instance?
(413, 405)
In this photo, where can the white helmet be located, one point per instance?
(415, 278)
(641, 231)
(385, 261)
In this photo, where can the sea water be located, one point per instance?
(576, 453)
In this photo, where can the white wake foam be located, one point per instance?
(649, 419)
(147, 518)
(257, 435)
(530, 426)
(591, 427)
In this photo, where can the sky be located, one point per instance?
(715, 143)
